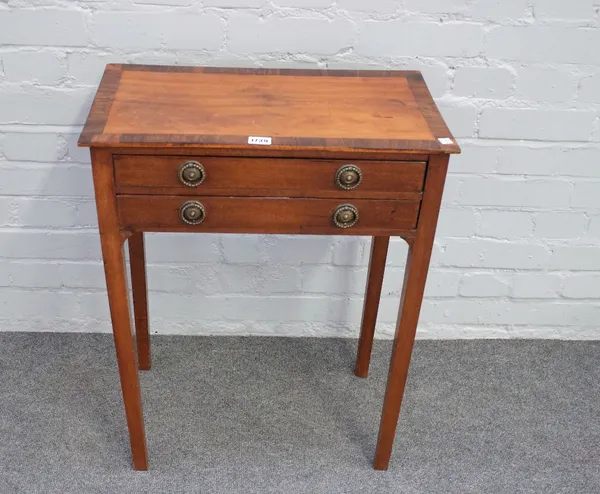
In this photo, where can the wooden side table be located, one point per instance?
(184, 149)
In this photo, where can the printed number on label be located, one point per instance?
(262, 141)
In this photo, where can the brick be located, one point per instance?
(569, 162)
(594, 227)
(175, 3)
(484, 253)
(520, 160)
(179, 279)
(44, 180)
(305, 4)
(476, 159)
(26, 305)
(308, 308)
(589, 89)
(334, 280)
(379, 7)
(242, 248)
(436, 253)
(556, 44)
(509, 312)
(43, 27)
(28, 274)
(297, 250)
(536, 285)
(45, 106)
(24, 244)
(74, 152)
(576, 162)
(517, 192)
(462, 332)
(547, 125)
(351, 251)
(194, 279)
(436, 77)
(86, 68)
(44, 68)
(576, 258)
(586, 195)
(550, 85)
(83, 323)
(143, 30)
(582, 286)
(31, 147)
(560, 225)
(94, 305)
(86, 213)
(262, 279)
(435, 6)
(6, 206)
(161, 58)
(234, 3)
(482, 82)
(448, 311)
(456, 223)
(440, 283)
(484, 285)
(173, 248)
(506, 224)
(44, 213)
(397, 252)
(419, 39)
(461, 119)
(452, 190)
(557, 9)
(81, 275)
(499, 9)
(248, 34)
(392, 282)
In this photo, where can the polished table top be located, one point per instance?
(311, 110)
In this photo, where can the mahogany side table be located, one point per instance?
(198, 149)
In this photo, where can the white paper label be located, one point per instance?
(445, 140)
(261, 141)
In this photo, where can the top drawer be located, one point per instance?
(268, 176)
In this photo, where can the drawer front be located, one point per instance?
(267, 215)
(268, 176)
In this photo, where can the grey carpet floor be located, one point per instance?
(244, 415)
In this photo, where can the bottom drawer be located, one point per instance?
(266, 215)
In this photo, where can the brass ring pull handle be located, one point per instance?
(191, 173)
(348, 177)
(192, 212)
(345, 216)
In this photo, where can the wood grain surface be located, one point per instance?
(379, 250)
(273, 176)
(139, 290)
(111, 243)
(153, 105)
(415, 277)
(266, 215)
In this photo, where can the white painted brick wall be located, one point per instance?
(545, 85)
(483, 82)
(518, 247)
